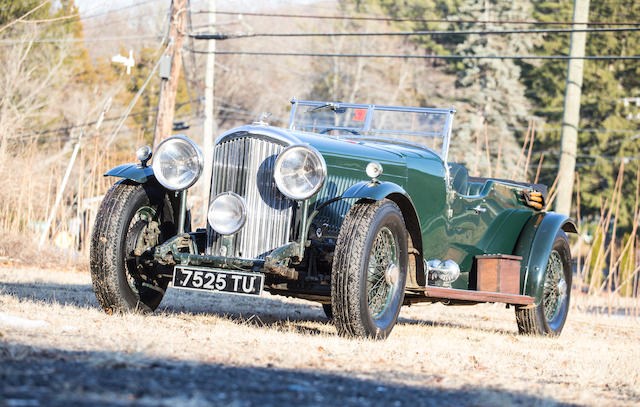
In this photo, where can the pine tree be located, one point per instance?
(606, 84)
(493, 86)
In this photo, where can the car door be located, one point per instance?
(487, 222)
(467, 226)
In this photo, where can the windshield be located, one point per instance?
(424, 126)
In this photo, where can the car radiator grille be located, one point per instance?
(244, 165)
(330, 217)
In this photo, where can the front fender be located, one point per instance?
(381, 190)
(371, 190)
(534, 245)
(134, 172)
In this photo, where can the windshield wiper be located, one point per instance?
(333, 106)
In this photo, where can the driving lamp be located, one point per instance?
(177, 163)
(300, 171)
(227, 213)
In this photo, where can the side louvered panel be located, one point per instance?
(333, 214)
(245, 165)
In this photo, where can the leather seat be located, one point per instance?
(459, 176)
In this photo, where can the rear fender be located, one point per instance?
(133, 172)
(534, 245)
(381, 190)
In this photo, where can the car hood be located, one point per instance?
(348, 153)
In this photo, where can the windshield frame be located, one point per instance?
(366, 130)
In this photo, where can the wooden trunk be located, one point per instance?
(497, 273)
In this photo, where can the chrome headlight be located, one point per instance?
(227, 213)
(300, 172)
(177, 163)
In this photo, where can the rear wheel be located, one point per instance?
(548, 317)
(131, 221)
(369, 270)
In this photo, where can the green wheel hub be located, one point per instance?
(382, 272)
(555, 286)
(143, 234)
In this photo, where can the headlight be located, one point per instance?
(300, 172)
(177, 163)
(227, 213)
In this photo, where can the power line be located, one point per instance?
(224, 36)
(107, 12)
(228, 36)
(77, 40)
(117, 9)
(112, 21)
(65, 129)
(404, 56)
(415, 20)
(51, 20)
(20, 19)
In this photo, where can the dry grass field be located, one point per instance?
(58, 348)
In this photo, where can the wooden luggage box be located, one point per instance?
(499, 273)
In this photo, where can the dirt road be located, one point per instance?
(58, 348)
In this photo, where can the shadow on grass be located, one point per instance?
(269, 311)
(55, 377)
(258, 311)
(449, 324)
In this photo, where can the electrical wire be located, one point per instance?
(134, 100)
(404, 56)
(414, 20)
(50, 20)
(228, 36)
(20, 19)
(78, 40)
(118, 9)
(65, 129)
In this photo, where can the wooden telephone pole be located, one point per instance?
(210, 126)
(571, 115)
(169, 84)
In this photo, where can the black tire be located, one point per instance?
(130, 215)
(353, 272)
(328, 312)
(548, 317)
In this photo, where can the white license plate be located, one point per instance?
(221, 280)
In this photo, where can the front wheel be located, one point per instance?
(548, 317)
(328, 312)
(131, 221)
(369, 270)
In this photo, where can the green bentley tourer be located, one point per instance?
(353, 206)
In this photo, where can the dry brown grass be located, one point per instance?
(443, 349)
(21, 249)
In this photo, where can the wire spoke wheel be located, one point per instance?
(554, 290)
(383, 263)
(370, 270)
(555, 287)
(132, 220)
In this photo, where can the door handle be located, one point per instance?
(478, 209)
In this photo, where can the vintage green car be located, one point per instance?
(353, 206)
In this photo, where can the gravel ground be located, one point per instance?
(58, 348)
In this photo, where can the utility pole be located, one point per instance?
(210, 125)
(571, 115)
(169, 84)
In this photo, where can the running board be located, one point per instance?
(476, 296)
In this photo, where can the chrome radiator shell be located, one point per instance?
(244, 165)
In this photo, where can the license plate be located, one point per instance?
(226, 281)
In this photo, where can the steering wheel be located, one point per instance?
(354, 132)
